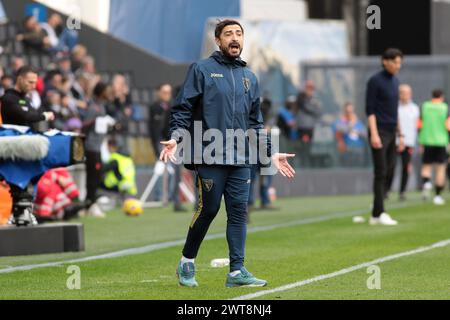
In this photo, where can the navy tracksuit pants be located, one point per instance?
(233, 183)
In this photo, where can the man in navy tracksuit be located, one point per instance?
(222, 94)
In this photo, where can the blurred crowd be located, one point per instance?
(303, 125)
(71, 89)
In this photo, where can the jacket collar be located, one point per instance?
(15, 92)
(222, 59)
(386, 73)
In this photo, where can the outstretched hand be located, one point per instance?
(168, 152)
(280, 160)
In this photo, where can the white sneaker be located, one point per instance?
(95, 211)
(439, 201)
(426, 191)
(384, 219)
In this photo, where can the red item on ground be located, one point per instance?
(55, 191)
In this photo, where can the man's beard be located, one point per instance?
(227, 54)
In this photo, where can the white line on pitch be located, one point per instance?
(174, 243)
(341, 272)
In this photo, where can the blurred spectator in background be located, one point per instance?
(408, 116)
(60, 38)
(265, 181)
(53, 28)
(64, 66)
(309, 113)
(119, 173)
(33, 36)
(88, 66)
(17, 62)
(159, 117)
(81, 92)
(70, 115)
(53, 104)
(158, 127)
(287, 121)
(266, 108)
(121, 110)
(56, 197)
(95, 127)
(79, 52)
(66, 119)
(53, 82)
(350, 135)
(6, 82)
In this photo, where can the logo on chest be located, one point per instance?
(216, 75)
(247, 84)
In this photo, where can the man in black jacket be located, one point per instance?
(159, 130)
(382, 114)
(16, 109)
(159, 117)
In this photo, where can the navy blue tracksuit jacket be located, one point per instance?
(223, 94)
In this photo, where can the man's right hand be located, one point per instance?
(168, 152)
(375, 141)
(49, 116)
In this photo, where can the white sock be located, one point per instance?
(235, 273)
(186, 260)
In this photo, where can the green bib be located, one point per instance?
(434, 131)
(128, 172)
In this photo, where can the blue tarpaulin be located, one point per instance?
(21, 172)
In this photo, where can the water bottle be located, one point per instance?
(220, 263)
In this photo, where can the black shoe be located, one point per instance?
(72, 210)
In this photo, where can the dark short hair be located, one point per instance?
(112, 142)
(222, 24)
(7, 76)
(23, 71)
(437, 93)
(391, 54)
(26, 19)
(100, 88)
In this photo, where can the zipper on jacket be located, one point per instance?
(234, 94)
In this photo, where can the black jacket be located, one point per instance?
(382, 99)
(158, 125)
(16, 109)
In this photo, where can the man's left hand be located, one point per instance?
(280, 160)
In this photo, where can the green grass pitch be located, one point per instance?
(310, 237)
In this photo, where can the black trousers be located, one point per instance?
(383, 164)
(405, 157)
(93, 176)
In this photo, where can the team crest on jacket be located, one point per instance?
(247, 84)
(207, 184)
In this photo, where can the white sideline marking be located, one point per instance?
(174, 243)
(297, 284)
